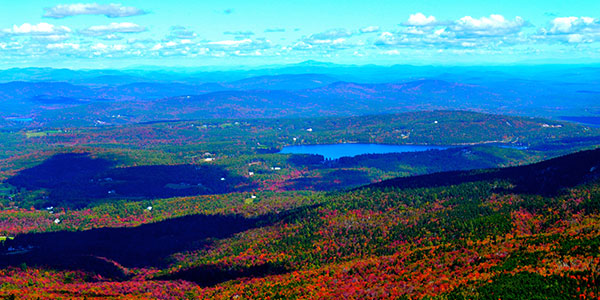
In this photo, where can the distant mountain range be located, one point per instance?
(301, 90)
(24, 90)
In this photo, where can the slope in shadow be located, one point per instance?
(331, 180)
(148, 245)
(209, 275)
(546, 178)
(75, 180)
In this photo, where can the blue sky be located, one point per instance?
(228, 33)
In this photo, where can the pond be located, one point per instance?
(335, 151)
(593, 121)
(516, 147)
(25, 120)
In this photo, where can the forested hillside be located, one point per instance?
(486, 234)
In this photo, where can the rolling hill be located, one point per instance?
(505, 233)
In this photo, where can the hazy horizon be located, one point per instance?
(308, 63)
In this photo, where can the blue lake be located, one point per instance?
(20, 119)
(336, 151)
(516, 147)
(593, 121)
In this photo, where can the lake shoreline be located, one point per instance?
(336, 151)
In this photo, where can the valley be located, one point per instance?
(310, 150)
(212, 209)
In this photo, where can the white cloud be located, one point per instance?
(11, 46)
(563, 25)
(109, 10)
(420, 19)
(64, 46)
(231, 42)
(416, 30)
(567, 25)
(301, 46)
(391, 52)
(42, 32)
(112, 37)
(109, 50)
(52, 38)
(386, 38)
(251, 53)
(331, 34)
(574, 30)
(112, 28)
(369, 29)
(243, 47)
(575, 38)
(440, 31)
(327, 40)
(494, 25)
(39, 29)
(99, 46)
(422, 31)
